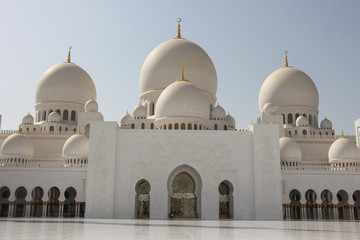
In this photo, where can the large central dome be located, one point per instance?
(65, 82)
(163, 64)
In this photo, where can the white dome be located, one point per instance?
(326, 124)
(218, 113)
(65, 82)
(54, 117)
(269, 108)
(289, 86)
(27, 119)
(76, 146)
(344, 150)
(139, 111)
(91, 106)
(230, 120)
(182, 99)
(290, 150)
(18, 144)
(125, 119)
(302, 121)
(163, 64)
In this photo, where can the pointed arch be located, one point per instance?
(142, 189)
(226, 206)
(36, 203)
(186, 193)
(4, 201)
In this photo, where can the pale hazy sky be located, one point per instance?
(245, 39)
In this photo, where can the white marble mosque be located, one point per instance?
(178, 154)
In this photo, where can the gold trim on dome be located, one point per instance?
(69, 55)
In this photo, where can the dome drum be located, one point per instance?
(181, 123)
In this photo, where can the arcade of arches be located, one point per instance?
(326, 208)
(37, 207)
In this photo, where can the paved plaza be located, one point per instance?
(46, 228)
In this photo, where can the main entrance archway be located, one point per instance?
(183, 198)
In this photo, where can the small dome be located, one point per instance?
(230, 120)
(125, 119)
(76, 146)
(302, 121)
(19, 145)
(326, 124)
(269, 109)
(218, 113)
(182, 99)
(65, 82)
(91, 106)
(344, 150)
(290, 150)
(54, 117)
(28, 119)
(289, 86)
(162, 66)
(140, 111)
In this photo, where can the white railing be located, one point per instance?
(320, 168)
(41, 165)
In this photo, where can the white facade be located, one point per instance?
(178, 155)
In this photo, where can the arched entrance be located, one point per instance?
(69, 203)
(327, 205)
(225, 200)
(311, 206)
(4, 201)
(36, 202)
(53, 202)
(343, 206)
(356, 197)
(143, 199)
(295, 205)
(20, 202)
(183, 198)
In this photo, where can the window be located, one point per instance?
(73, 115)
(66, 115)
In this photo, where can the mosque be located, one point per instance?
(178, 155)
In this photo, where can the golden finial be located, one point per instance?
(69, 55)
(79, 131)
(286, 60)
(20, 130)
(285, 132)
(182, 78)
(342, 133)
(178, 30)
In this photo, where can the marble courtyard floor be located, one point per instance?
(89, 229)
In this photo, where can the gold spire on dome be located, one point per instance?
(342, 133)
(178, 30)
(285, 132)
(69, 55)
(20, 130)
(286, 60)
(182, 78)
(79, 131)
